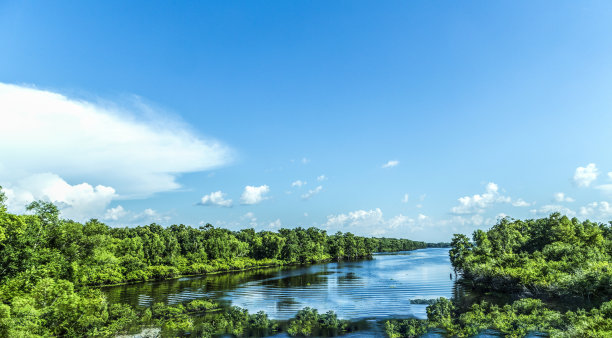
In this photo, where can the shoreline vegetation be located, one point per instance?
(52, 269)
(538, 260)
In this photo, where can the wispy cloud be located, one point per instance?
(312, 192)
(390, 164)
(561, 197)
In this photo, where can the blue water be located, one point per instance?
(378, 288)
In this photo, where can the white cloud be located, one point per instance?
(477, 203)
(298, 183)
(79, 202)
(305, 160)
(276, 224)
(405, 198)
(372, 222)
(610, 175)
(46, 132)
(548, 209)
(607, 188)
(251, 218)
(358, 218)
(321, 178)
(561, 197)
(520, 203)
(312, 192)
(119, 216)
(584, 176)
(599, 210)
(216, 198)
(476, 220)
(253, 194)
(390, 164)
(249, 215)
(115, 214)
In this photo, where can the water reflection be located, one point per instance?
(378, 288)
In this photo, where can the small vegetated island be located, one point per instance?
(556, 260)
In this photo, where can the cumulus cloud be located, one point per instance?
(253, 194)
(520, 203)
(298, 183)
(479, 202)
(561, 197)
(312, 192)
(120, 216)
(390, 164)
(79, 202)
(216, 198)
(46, 132)
(548, 209)
(584, 176)
(372, 222)
(599, 210)
(476, 220)
(115, 214)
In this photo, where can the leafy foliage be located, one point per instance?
(554, 256)
(50, 269)
(518, 319)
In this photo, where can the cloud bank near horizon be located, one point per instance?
(68, 151)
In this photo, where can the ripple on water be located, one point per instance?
(377, 288)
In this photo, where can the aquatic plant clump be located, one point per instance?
(522, 317)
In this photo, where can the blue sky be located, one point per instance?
(135, 112)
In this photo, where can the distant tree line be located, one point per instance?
(51, 268)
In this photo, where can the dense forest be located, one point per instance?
(560, 260)
(554, 256)
(51, 268)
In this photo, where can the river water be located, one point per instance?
(378, 288)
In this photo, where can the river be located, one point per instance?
(378, 288)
